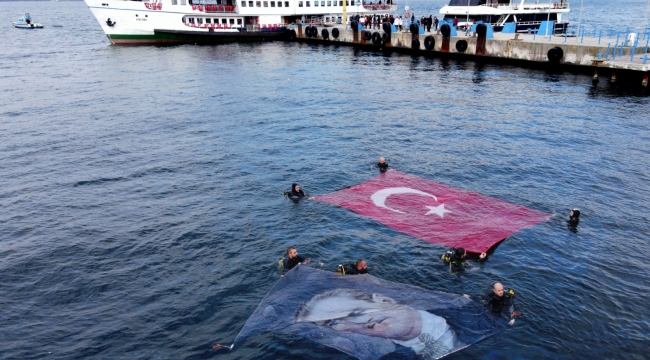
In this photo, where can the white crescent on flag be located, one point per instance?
(379, 199)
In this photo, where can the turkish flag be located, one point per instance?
(435, 212)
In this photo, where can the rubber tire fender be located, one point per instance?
(354, 25)
(308, 31)
(387, 28)
(325, 34)
(385, 37)
(376, 38)
(429, 42)
(555, 54)
(335, 33)
(367, 35)
(414, 28)
(461, 46)
(481, 29)
(292, 35)
(415, 44)
(445, 30)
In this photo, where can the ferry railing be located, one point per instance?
(388, 7)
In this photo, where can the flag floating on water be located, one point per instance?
(368, 317)
(435, 212)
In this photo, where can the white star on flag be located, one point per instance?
(439, 210)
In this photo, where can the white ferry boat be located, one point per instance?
(527, 15)
(217, 21)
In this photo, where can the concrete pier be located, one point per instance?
(557, 51)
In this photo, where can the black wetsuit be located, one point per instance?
(292, 263)
(498, 304)
(351, 269)
(457, 263)
(382, 166)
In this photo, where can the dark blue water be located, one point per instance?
(141, 208)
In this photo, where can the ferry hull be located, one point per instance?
(175, 37)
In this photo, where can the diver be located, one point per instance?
(360, 267)
(457, 259)
(293, 260)
(382, 165)
(295, 194)
(499, 300)
(574, 217)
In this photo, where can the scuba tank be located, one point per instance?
(446, 257)
(340, 270)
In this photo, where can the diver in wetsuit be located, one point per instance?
(457, 261)
(574, 217)
(382, 165)
(360, 267)
(499, 300)
(293, 260)
(296, 193)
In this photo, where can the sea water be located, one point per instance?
(141, 207)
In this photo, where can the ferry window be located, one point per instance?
(352, 3)
(174, 2)
(207, 21)
(258, 3)
(329, 3)
(308, 4)
(250, 4)
(224, 21)
(182, 2)
(232, 21)
(315, 3)
(340, 3)
(199, 20)
(299, 3)
(266, 4)
(322, 3)
(272, 3)
(279, 3)
(243, 4)
(238, 21)
(286, 4)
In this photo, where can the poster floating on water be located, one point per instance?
(434, 212)
(370, 318)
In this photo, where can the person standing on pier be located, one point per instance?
(435, 23)
(455, 21)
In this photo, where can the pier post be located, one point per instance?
(607, 54)
(481, 32)
(582, 37)
(446, 32)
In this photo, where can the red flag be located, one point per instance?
(435, 212)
